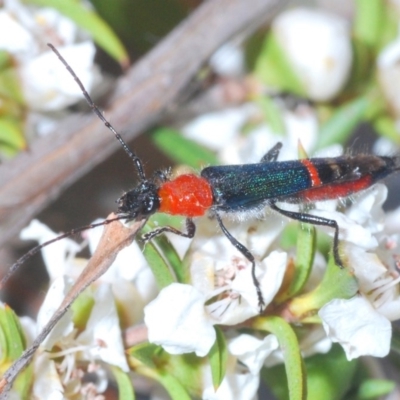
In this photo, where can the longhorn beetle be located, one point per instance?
(239, 188)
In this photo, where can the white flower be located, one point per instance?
(318, 47)
(242, 385)
(228, 60)
(180, 318)
(357, 326)
(47, 383)
(389, 74)
(77, 355)
(234, 148)
(227, 123)
(360, 222)
(177, 320)
(54, 297)
(102, 335)
(247, 355)
(129, 265)
(221, 272)
(362, 324)
(45, 83)
(58, 257)
(251, 351)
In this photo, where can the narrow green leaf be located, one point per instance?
(272, 114)
(179, 374)
(163, 259)
(306, 242)
(146, 353)
(11, 134)
(124, 384)
(10, 85)
(5, 60)
(386, 127)
(337, 283)
(13, 338)
(342, 123)
(81, 309)
(218, 358)
(295, 373)
(374, 388)
(174, 388)
(395, 343)
(274, 69)
(151, 361)
(88, 20)
(167, 250)
(158, 265)
(368, 22)
(182, 150)
(330, 374)
(12, 341)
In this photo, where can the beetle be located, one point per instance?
(232, 189)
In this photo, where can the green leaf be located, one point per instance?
(272, 114)
(12, 336)
(386, 127)
(82, 308)
(330, 374)
(5, 60)
(182, 150)
(369, 22)
(12, 344)
(10, 133)
(306, 242)
(274, 69)
(174, 388)
(91, 22)
(167, 250)
(124, 384)
(146, 354)
(373, 388)
(10, 85)
(295, 373)
(141, 23)
(337, 283)
(151, 361)
(11, 137)
(342, 122)
(395, 343)
(218, 358)
(187, 369)
(159, 266)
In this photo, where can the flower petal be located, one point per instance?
(55, 295)
(357, 326)
(252, 351)
(177, 320)
(102, 333)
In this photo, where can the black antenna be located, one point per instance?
(36, 249)
(96, 110)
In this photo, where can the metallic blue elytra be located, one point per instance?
(243, 187)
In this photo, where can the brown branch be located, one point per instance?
(35, 178)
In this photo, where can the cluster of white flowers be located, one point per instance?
(181, 317)
(24, 34)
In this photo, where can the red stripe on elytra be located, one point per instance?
(336, 190)
(312, 170)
